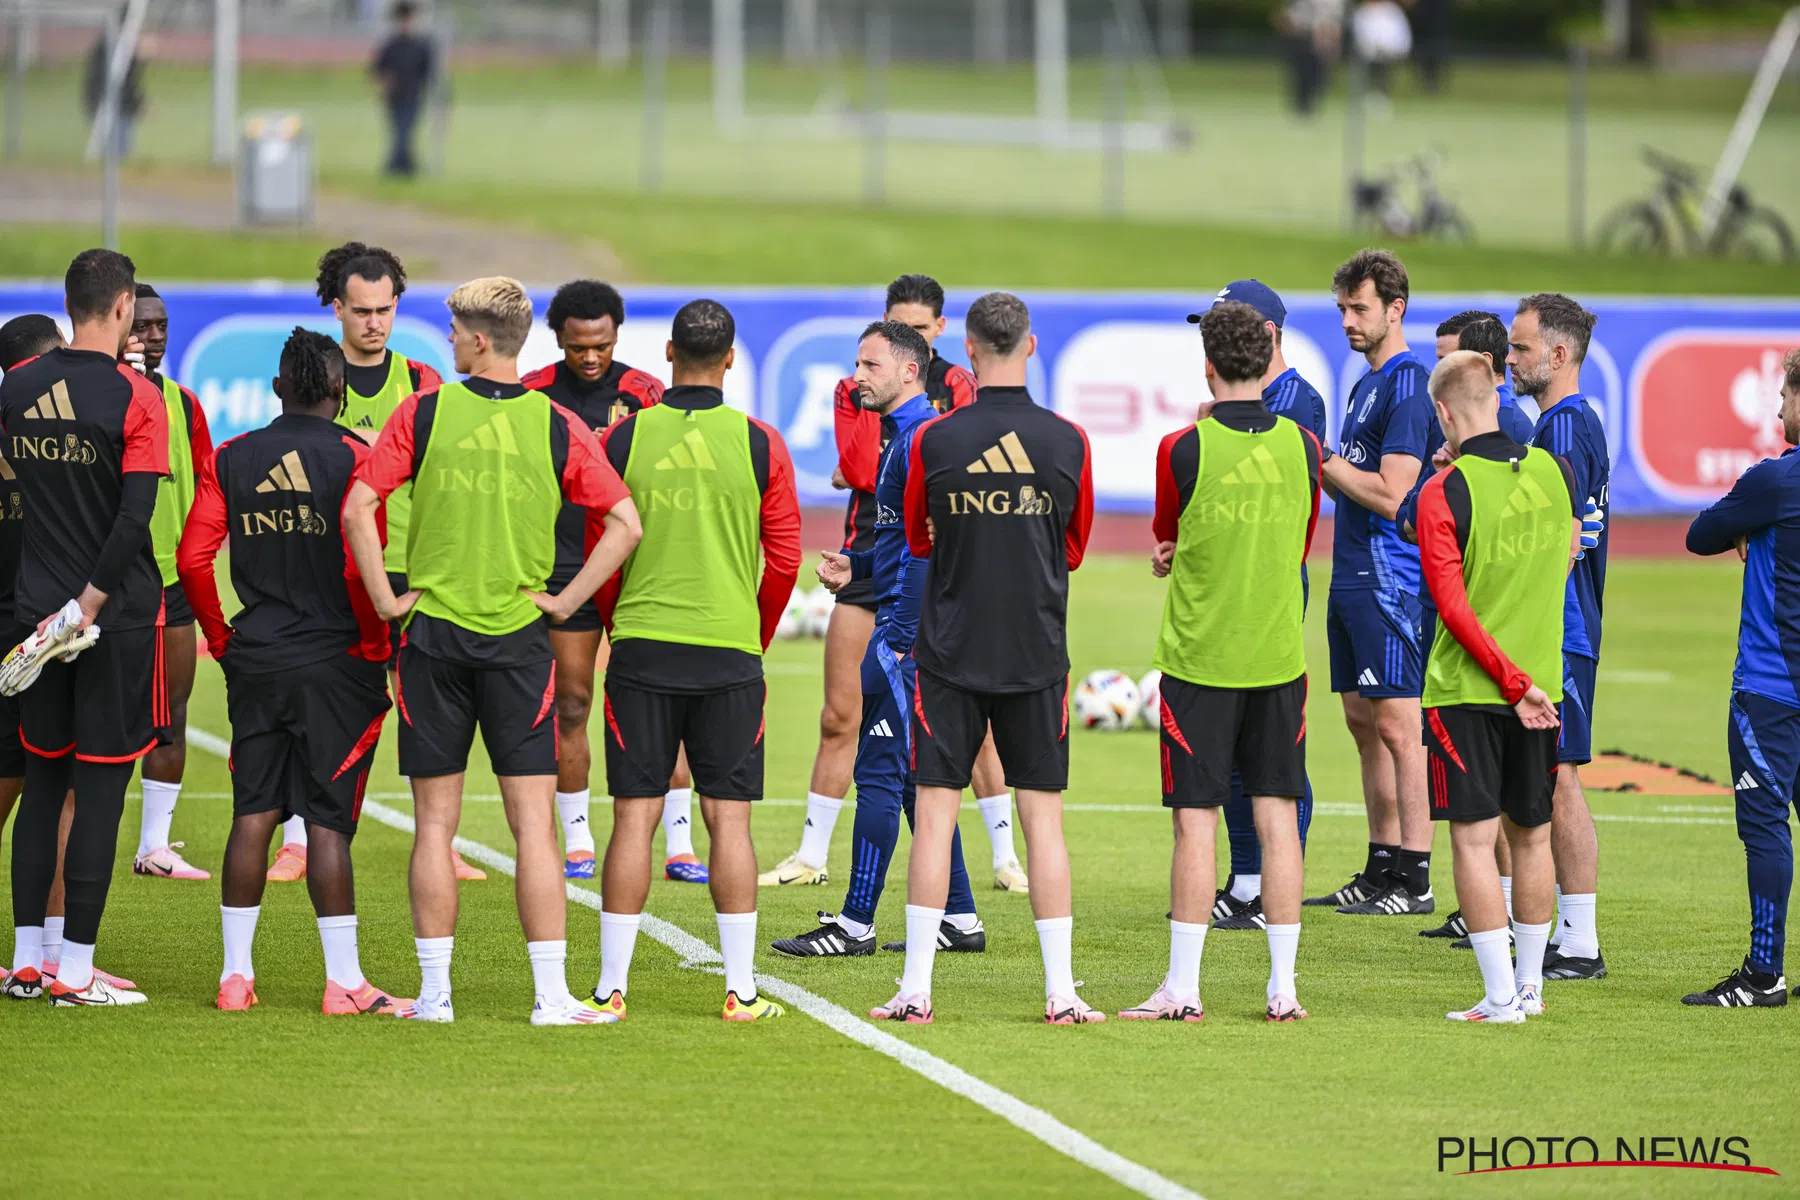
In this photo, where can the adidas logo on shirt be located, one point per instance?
(881, 729)
(1367, 678)
(1259, 467)
(1005, 457)
(689, 454)
(365, 423)
(495, 433)
(288, 475)
(1747, 782)
(1527, 497)
(52, 405)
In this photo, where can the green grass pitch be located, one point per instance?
(175, 1097)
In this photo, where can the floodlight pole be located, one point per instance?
(1749, 120)
(656, 70)
(1112, 130)
(612, 27)
(108, 120)
(226, 25)
(877, 34)
(1355, 114)
(728, 63)
(15, 88)
(1051, 33)
(1578, 146)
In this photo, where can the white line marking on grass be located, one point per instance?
(696, 953)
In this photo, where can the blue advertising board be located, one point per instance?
(1688, 389)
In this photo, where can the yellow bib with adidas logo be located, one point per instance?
(372, 412)
(693, 578)
(1514, 569)
(1232, 616)
(484, 505)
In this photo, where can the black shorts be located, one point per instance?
(176, 609)
(1482, 762)
(166, 733)
(1207, 731)
(860, 592)
(586, 619)
(441, 703)
(723, 733)
(303, 740)
(105, 706)
(1031, 732)
(396, 629)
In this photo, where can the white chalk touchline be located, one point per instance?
(696, 953)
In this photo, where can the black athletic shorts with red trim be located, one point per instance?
(723, 732)
(1206, 731)
(585, 619)
(442, 703)
(176, 609)
(1481, 762)
(1031, 732)
(396, 629)
(303, 740)
(105, 706)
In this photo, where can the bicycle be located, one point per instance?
(1668, 221)
(1379, 207)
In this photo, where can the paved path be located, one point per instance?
(434, 245)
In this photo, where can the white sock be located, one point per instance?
(737, 945)
(618, 938)
(821, 820)
(963, 922)
(434, 967)
(572, 807)
(1576, 937)
(548, 977)
(293, 832)
(855, 929)
(77, 970)
(921, 949)
(1491, 954)
(1185, 945)
(1245, 888)
(343, 966)
(1506, 891)
(159, 813)
(1284, 945)
(1556, 921)
(53, 931)
(678, 826)
(240, 933)
(1530, 941)
(1055, 938)
(996, 813)
(28, 947)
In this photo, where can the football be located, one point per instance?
(819, 603)
(1150, 699)
(1106, 700)
(793, 618)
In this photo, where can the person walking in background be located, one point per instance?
(404, 67)
(1431, 47)
(131, 93)
(1314, 29)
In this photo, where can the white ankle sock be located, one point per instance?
(821, 820)
(572, 807)
(1491, 954)
(1576, 937)
(77, 970)
(28, 947)
(1245, 888)
(855, 929)
(1186, 942)
(159, 814)
(53, 931)
(921, 949)
(1284, 947)
(996, 813)
(1056, 936)
(548, 978)
(618, 938)
(434, 967)
(343, 966)
(963, 922)
(239, 925)
(293, 832)
(1506, 891)
(678, 825)
(1529, 947)
(737, 945)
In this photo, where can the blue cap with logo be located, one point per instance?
(1257, 295)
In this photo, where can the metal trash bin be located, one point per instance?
(276, 170)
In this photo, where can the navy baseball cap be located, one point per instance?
(1257, 295)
